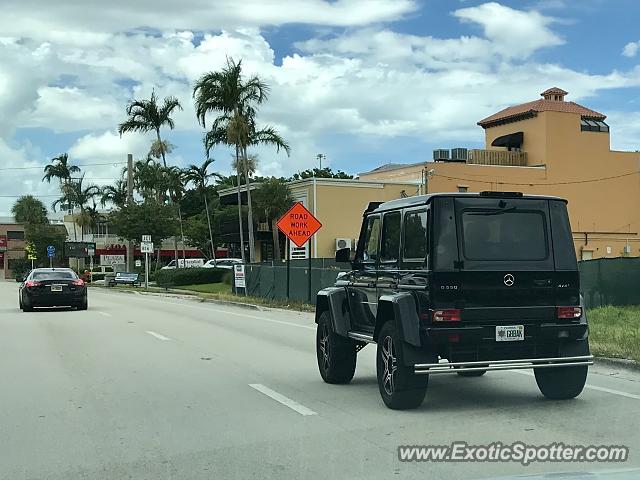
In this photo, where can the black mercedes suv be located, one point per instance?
(458, 283)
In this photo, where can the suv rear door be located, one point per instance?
(505, 268)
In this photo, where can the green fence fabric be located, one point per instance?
(610, 281)
(270, 281)
(605, 281)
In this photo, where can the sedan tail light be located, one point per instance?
(449, 315)
(78, 282)
(568, 313)
(32, 283)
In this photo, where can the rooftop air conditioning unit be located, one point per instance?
(343, 243)
(441, 154)
(459, 154)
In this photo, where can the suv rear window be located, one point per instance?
(504, 235)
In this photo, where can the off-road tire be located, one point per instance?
(400, 388)
(336, 354)
(562, 383)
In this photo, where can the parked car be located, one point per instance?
(458, 283)
(188, 262)
(225, 263)
(52, 287)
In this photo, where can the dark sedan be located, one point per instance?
(52, 287)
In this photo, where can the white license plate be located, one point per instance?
(56, 288)
(509, 333)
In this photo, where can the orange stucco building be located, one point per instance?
(553, 147)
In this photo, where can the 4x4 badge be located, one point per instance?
(509, 280)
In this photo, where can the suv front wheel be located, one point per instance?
(400, 388)
(336, 355)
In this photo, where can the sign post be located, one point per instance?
(146, 247)
(298, 225)
(51, 251)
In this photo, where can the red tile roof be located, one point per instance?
(541, 105)
(554, 91)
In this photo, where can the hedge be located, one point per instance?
(190, 276)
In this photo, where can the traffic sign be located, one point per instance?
(51, 251)
(146, 247)
(298, 224)
(146, 238)
(138, 263)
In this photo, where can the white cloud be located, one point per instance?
(87, 19)
(630, 49)
(515, 33)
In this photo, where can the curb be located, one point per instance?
(624, 363)
(248, 306)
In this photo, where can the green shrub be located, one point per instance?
(189, 276)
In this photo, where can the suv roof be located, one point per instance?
(418, 200)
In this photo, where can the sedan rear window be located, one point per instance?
(504, 235)
(61, 275)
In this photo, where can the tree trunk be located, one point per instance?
(164, 160)
(239, 204)
(277, 256)
(184, 255)
(252, 246)
(213, 249)
(158, 257)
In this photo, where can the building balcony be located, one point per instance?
(497, 157)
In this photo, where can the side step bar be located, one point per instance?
(490, 365)
(361, 337)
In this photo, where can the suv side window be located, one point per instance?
(371, 239)
(415, 237)
(390, 251)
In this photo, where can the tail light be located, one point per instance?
(32, 283)
(568, 313)
(450, 315)
(79, 282)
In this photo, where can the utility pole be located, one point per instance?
(129, 202)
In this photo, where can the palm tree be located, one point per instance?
(59, 168)
(251, 164)
(235, 100)
(29, 210)
(175, 182)
(147, 116)
(115, 194)
(77, 195)
(199, 176)
(274, 198)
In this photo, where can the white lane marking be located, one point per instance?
(287, 402)
(590, 387)
(158, 336)
(105, 314)
(209, 309)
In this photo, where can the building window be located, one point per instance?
(463, 188)
(15, 235)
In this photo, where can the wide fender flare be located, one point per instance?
(401, 309)
(334, 301)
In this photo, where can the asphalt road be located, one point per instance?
(149, 387)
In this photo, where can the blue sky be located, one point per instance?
(365, 82)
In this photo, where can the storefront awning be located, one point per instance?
(512, 140)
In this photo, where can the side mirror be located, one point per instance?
(343, 255)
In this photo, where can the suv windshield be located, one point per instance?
(503, 235)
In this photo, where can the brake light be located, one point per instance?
(450, 315)
(78, 282)
(32, 283)
(566, 313)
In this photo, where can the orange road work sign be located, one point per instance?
(298, 224)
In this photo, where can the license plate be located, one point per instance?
(56, 288)
(509, 333)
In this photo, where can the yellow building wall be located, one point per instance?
(535, 137)
(340, 208)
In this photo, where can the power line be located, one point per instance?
(536, 184)
(41, 167)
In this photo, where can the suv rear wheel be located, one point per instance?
(336, 355)
(400, 388)
(561, 383)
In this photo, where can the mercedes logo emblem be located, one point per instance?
(509, 280)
